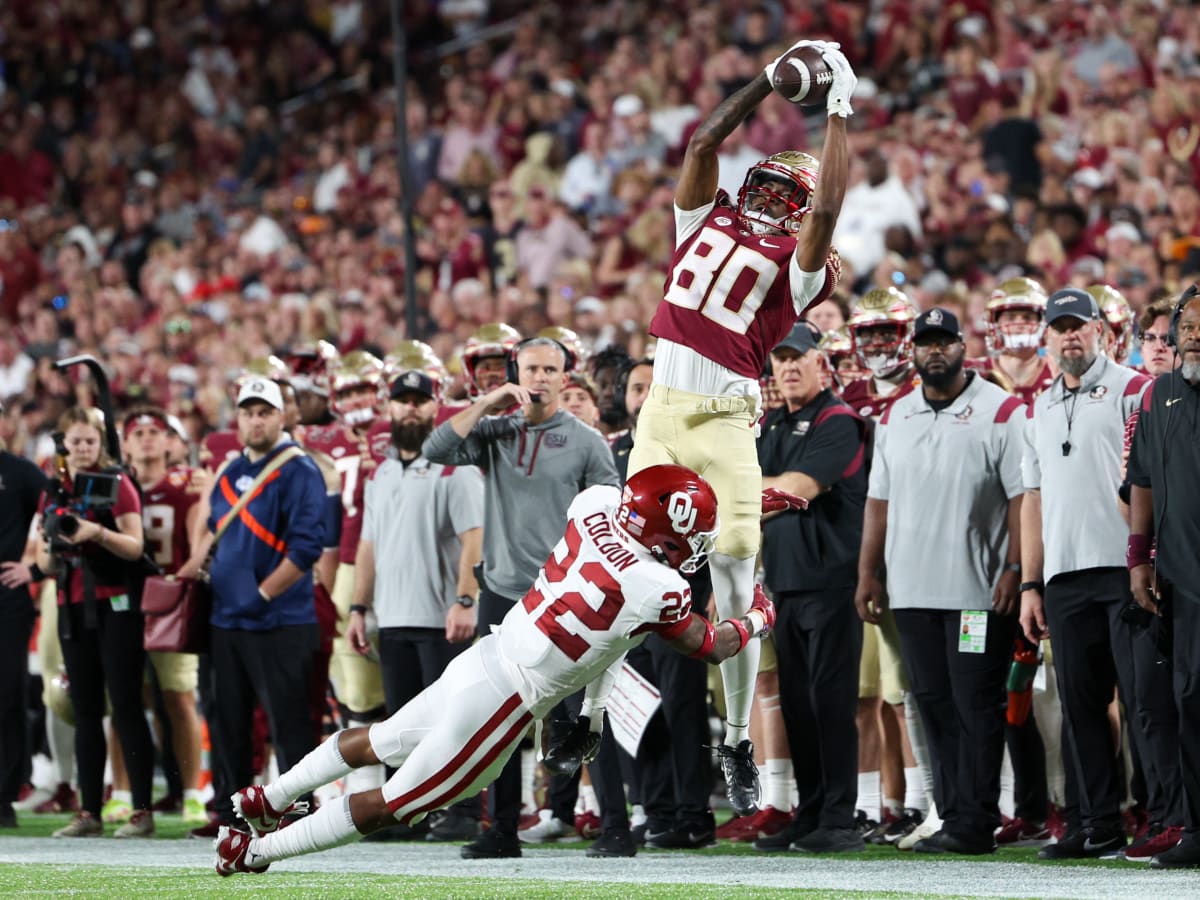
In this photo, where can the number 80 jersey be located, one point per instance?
(598, 595)
(732, 296)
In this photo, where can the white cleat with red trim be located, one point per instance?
(253, 808)
(234, 855)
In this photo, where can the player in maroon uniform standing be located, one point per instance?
(1015, 325)
(170, 496)
(740, 277)
(357, 398)
(881, 333)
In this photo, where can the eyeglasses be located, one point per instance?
(1150, 337)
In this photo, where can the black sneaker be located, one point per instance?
(684, 837)
(1086, 843)
(890, 832)
(741, 777)
(492, 844)
(651, 829)
(864, 824)
(951, 842)
(1184, 855)
(783, 840)
(8, 818)
(454, 827)
(614, 842)
(831, 840)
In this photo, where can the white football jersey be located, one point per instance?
(598, 595)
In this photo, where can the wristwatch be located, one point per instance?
(1032, 586)
(466, 601)
(1012, 567)
(358, 608)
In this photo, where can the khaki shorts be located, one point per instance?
(177, 672)
(881, 671)
(357, 679)
(714, 437)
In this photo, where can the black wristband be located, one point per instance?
(36, 573)
(1038, 586)
(358, 608)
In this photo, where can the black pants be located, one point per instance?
(962, 699)
(674, 763)
(16, 625)
(108, 658)
(1186, 610)
(411, 659)
(1094, 650)
(504, 794)
(273, 668)
(605, 772)
(818, 640)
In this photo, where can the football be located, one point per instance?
(803, 76)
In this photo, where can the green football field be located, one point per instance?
(34, 865)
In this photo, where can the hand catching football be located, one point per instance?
(814, 72)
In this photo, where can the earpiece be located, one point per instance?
(514, 372)
(1184, 299)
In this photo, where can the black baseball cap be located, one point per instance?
(412, 382)
(1071, 302)
(936, 321)
(801, 338)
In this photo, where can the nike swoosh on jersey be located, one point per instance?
(765, 243)
(1172, 401)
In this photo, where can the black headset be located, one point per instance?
(514, 372)
(1177, 313)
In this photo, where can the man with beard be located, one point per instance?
(413, 572)
(950, 453)
(1075, 587)
(1169, 584)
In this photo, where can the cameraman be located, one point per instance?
(100, 629)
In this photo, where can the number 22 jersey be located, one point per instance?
(730, 298)
(598, 596)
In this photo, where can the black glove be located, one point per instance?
(580, 745)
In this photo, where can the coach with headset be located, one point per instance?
(534, 460)
(1165, 510)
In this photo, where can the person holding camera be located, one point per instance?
(1076, 589)
(92, 526)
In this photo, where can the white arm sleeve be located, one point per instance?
(805, 285)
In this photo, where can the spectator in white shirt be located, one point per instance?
(871, 207)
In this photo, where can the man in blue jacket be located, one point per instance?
(265, 632)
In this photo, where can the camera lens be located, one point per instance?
(68, 525)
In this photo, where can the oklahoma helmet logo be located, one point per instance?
(681, 512)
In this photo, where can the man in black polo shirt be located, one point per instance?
(1165, 505)
(813, 447)
(21, 484)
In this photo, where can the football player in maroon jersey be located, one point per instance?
(741, 275)
(1015, 326)
(170, 507)
(881, 333)
(357, 397)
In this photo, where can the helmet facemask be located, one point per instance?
(884, 359)
(770, 183)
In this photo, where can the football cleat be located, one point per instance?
(233, 853)
(253, 808)
(741, 777)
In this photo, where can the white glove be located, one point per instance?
(819, 45)
(837, 103)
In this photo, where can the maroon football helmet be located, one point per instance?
(672, 512)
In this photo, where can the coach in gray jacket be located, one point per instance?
(534, 461)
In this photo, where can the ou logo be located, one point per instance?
(681, 512)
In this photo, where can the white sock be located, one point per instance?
(733, 589)
(61, 738)
(193, 794)
(1008, 787)
(920, 747)
(123, 796)
(528, 777)
(914, 789)
(892, 805)
(587, 797)
(777, 785)
(868, 794)
(329, 826)
(317, 768)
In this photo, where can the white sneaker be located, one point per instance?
(928, 828)
(548, 828)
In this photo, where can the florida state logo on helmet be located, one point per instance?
(672, 512)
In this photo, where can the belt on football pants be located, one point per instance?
(715, 405)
